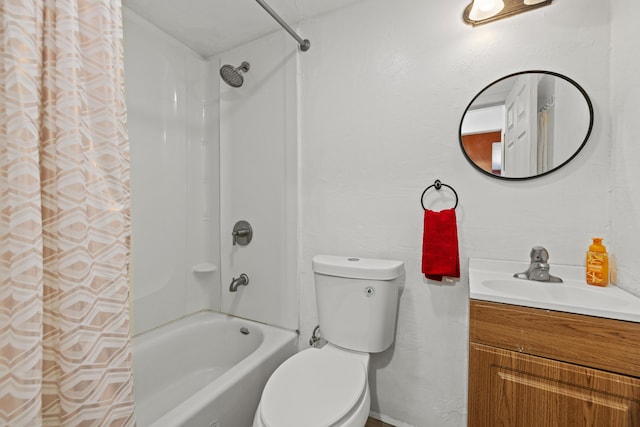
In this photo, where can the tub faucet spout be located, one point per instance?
(243, 280)
(539, 267)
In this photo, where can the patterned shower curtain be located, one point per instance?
(65, 343)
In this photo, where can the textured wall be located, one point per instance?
(625, 92)
(382, 92)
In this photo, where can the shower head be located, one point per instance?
(233, 75)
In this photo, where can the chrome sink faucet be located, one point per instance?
(539, 267)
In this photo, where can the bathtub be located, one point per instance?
(205, 370)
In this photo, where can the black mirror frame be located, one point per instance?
(586, 138)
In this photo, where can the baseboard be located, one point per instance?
(389, 420)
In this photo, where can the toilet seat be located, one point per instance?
(313, 388)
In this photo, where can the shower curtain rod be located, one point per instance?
(304, 44)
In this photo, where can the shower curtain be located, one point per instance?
(65, 345)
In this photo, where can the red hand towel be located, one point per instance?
(440, 245)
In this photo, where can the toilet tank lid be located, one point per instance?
(357, 268)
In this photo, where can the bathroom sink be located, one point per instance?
(492, 280)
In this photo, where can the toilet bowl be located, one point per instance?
(317, 388)
(328, 387)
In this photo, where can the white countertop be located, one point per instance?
(492, 280)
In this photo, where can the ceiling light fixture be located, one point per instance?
(480, 12)
(484, 9)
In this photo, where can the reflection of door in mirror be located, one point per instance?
(482, 128)
(521, 148)
(544, 120)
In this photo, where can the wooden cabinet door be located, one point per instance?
(512, 389)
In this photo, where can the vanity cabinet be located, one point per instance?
(531, 367)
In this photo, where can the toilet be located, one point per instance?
(357, 300)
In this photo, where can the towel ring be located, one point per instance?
(438, 185)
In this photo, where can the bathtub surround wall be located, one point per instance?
(189, 131)
(380, 121)
(172, 101)
(258, 181)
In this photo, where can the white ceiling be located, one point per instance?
(213, 26)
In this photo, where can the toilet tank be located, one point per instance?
(357, 300)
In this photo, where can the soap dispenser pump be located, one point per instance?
(597, 264)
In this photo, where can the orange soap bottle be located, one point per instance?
(597, 263)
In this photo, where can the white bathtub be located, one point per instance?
(202, 371)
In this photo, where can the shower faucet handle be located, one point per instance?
(242, 233)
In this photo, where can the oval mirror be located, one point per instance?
(526, 125)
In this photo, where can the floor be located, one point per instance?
(371, 422)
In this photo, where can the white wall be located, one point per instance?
(383, 89)
(172, 119)
(625, 109)
(486, 119)
(570, 119)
